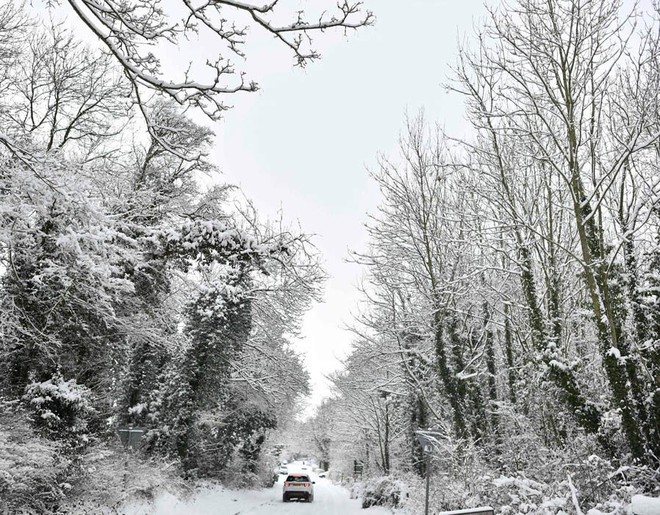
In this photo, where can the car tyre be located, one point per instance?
(310, 498)
(285, 498)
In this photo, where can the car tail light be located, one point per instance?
(305, 484)
(286, 484)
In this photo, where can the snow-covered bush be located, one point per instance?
(234, 477)
(383, 491)
(62, 409)
(109, 476)
(355, 488)
(38, 474)
(31, 469)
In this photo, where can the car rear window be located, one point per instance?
(297, 479)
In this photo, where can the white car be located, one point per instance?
(283, 469)
(298, 486)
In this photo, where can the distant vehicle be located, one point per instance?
(322, 473)
(283, 469)
(298, 486)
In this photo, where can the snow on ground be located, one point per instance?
(329, 499)
(642, 505)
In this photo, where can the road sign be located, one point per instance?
(130, 436)
(427, 439)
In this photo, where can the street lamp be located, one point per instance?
(426, 440)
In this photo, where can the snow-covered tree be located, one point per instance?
(139, 35)
(131, 292)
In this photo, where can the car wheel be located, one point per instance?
(285, 498)
(310, 498)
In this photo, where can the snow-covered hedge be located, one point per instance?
(573, 481)
(39, 474)
(110, 476)
(383, 491)
(59, 407)
(31, 470)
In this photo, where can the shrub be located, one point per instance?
(383, 491)
(31, 468)
(110, 477)
(61, 409)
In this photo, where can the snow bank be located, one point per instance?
(643, 505)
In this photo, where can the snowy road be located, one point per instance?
(329, 499)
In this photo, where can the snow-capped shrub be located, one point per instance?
(355, 488)
(60, 408)
(383, 491)
(234, 477)
(31, 469)
(109, 476)
(517, 494)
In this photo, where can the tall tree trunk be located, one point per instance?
(448, 379)
(490, 366)
(608, 329)
(508, 350)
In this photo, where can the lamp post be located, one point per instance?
(426, 439)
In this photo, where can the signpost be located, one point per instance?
(427, 450)
(130, 436)
(426, 439)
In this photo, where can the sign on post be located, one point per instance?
(426, 439)
(130, 436)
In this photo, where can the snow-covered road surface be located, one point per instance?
(329, 499)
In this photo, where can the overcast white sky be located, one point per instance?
(304, 142)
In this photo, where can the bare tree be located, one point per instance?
(544, 91)
(139, 33)
(59, 96)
